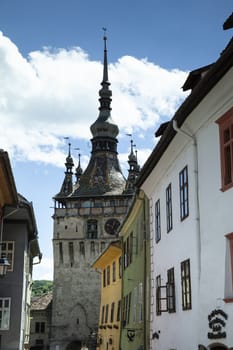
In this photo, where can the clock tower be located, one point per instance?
(87, 215)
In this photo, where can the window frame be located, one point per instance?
(108, 275)
(229, 269)
(5, 312)
(184, 193)
(92, 229)
(158, 295)
(157, 221)
(185, 273)
(225, 122)
(40, 327)
(8, 253)
(114, 271)
(171, 296)
(169, 208)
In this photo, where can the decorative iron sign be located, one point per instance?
(217, 322)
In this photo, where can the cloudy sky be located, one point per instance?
(51, 69)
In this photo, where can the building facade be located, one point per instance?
(19, 245)
(40, 322)
(109, 263)
(189, 181)
(87, 216)
(135, 325)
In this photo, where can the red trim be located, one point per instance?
(226, 122)
(228, 300)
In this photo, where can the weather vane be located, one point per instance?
(105, 30)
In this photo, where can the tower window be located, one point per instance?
(92, 229)
(60, 253)
(71, 253)
(82, 248)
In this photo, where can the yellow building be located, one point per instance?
(109, 264)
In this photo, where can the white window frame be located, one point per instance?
(5, 314)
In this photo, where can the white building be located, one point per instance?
(189, 181)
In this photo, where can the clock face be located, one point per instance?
(111, 226)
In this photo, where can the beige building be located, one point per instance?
(109, 265)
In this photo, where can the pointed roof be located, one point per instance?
(103, 175)
(104, 125)
(67, 186)
(134, 169)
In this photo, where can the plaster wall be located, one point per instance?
(199, 237)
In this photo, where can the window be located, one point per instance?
(119, 310)
(114, 271)
(92, 229)
(186, 285)
(40, 327)
(104, 278)
(157, 221)
(112, 312)
(128, 250)
(169, 207)
(184, 200)
(60, 253)
(228, 295)
(108, 275)
(106, 314)
(140, 302)
(120, 266)
(92, 248)
(5, 313)
(135, 301)
(8, 252)
(82, 248)
(158, 295)
(171, 301)
(39, 342)
(71, 253)
(127, 308)
(102, 316)
(226, 148)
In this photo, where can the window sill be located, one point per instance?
(226, 187)
(228, 300)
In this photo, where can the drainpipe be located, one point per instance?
(193, 138)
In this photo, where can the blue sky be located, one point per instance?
(51, 68)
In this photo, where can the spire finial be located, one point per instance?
(105, 75)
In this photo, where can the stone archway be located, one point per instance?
(74, 345)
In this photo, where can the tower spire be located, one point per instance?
(134, 168)
(67, 186)
(105, 71)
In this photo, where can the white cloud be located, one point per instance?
(54, 93)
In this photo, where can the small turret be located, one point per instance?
(134, 169)
(67, 186)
